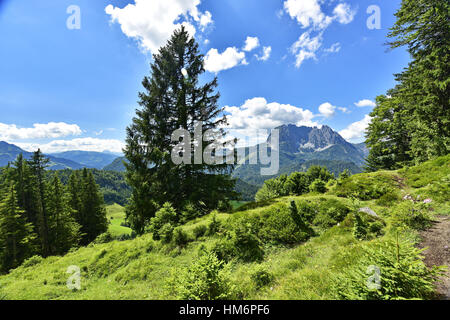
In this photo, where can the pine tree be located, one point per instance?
(93, 213)
(74, 189)
(38, 163)
(173, 99)
(63, 229)
(16, 235)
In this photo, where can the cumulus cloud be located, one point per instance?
(251, 43)
(343, 13)
(305, 48)
(356, 130)
(257, 113)
(152, 22)
(327, 109)
(11, 132)
(343, 109)
(265, 55)
(365, 103)
(83, 144)
(231, 57)
(309, 14)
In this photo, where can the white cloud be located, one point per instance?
(305, 48)
(257, 113)
(307, 13)
(83, 144)
(356, 130)
(205, 20)
(152, 22)
(251, 43)
(231, 57)
(365, 103)
(265, 55)
(343, 109)
(343, 13)
(327, 109)
(11, 132)
(336, 47)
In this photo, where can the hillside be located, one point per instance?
(117, 165)
(89, 159)
(9, 153)
(278, 260)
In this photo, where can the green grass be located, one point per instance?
(116, 215)
(141, 268)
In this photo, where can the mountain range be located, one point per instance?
(299, 148)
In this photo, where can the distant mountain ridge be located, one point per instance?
(9, 153)
(90, 159)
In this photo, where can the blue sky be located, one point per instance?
(312, 62)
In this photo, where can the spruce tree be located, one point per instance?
(63, 229)
(16, 235)
(93, 213)
(173, 99)
(38, 163)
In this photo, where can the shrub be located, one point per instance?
(297, 183)
(388, 199)
(330, 212)
(365, 186)
(272, 188)
(224, 206)
(163, 217)
(318, 172)
(32, 261)
(104, 238)
(180, 237)
(214, 226)
(412, 215)
(318, 186)
(166, 233)
(205, 279)
(189, 212)
(402, 274)
(261, 277)
(200, 231)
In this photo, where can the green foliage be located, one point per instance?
(189, 212)
(272, 188)
(261, 276)
(366, 186)
(180, 237)
(164, 221)
(200, 231)
(165, 233)
(412, 215)
(224, 206)
(104, 238)
(318, 186)
(205, 279)
(329, 213)
(403, 275)
(150, 171)
(213, 226)
(298, 183)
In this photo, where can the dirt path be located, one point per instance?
(437, 240)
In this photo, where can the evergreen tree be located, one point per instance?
(92, 218)
(173, 99)
(412, 124)
(16, 235)
(38, 163)
(74, 189)
(63, 229)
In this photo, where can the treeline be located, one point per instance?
(315, 179)
(41, 216)
(411, 123)
(112, 184)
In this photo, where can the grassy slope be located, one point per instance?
(139, 268)
(116, 215)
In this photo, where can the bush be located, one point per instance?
(166, 233)
(104, 238)
(180, 237)
(224, 206)
(163, 217)
(297, 183)
(412, 215)
(365, 186)
(205, 279)
(200, 231)
(388, 199)
(261, 277)
(214, 226)
(330, 212)
(402, 274)
(272, 188)
(318, 186)
(189, 212)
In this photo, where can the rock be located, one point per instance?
(369, 211)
